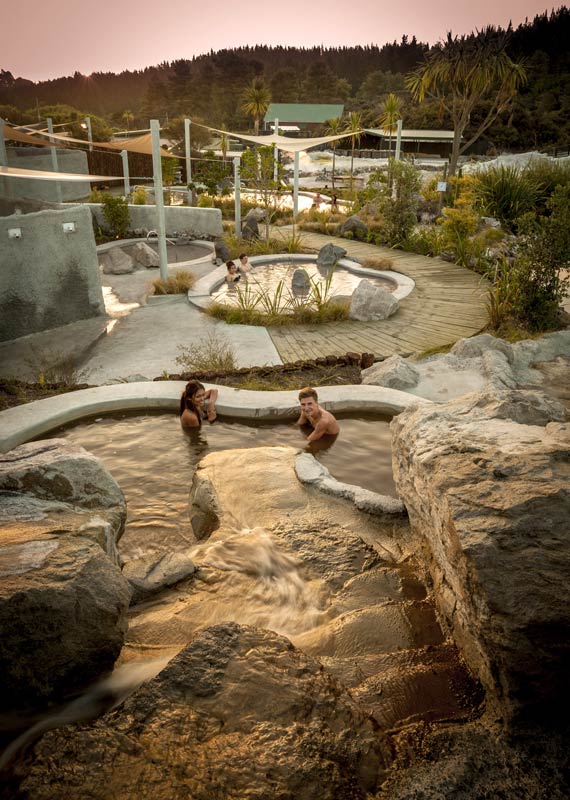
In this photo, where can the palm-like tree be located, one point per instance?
(128, 117)
(463, 71)
(333, 128)
(390, 114)
(255, 101)
(353, 128)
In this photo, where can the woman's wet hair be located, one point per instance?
(230, 264)
(186, 401)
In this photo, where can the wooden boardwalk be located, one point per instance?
(448, 303)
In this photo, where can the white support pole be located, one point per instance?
(275, 152)
(4, 183)
(3, 153)
(237, 196)
(296, 185)
(158, 198)
(54, 164)
(398, 141)
(188, 152)
(126, 180)
(89, 133)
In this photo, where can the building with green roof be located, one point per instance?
(301, 117)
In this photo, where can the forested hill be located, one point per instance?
(209, 86)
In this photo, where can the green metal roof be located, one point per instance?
(303, 112)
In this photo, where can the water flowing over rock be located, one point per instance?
(485, 482)
(63, 599)
(393, 372)
(370, 302)
(239, 712)
(328, 257)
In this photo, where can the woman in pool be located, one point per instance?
(192, 405)
(232, 275)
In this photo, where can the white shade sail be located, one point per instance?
(44, 175)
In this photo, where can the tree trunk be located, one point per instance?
(454, 152)
(352, 170)
(333, 166)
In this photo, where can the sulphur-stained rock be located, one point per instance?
(239, 712)
(394, 373)
(371, 302)
(63, 607)
(485, 481)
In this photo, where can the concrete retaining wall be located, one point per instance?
(48, 277)
(199, 223)
(40, 158)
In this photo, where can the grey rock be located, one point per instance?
(143, 255)
(300, 283)
(153, 573)
(136, 378)
(250, 225)
(328, 257)
(476, 346)
(394, 373)
(116, 262)
(204, 508)
(485, 482)
(356, 226)
(239, 707)
(221, 250)
(370, 302)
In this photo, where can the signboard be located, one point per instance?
(441, 186)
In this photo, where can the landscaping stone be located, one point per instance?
(328, 257)
(301, 283)
(485, 481)
(370, 302)
(250, 225)
(221, 250)
(143, 255)
(394, 372)
(356, 226)
(116, 262)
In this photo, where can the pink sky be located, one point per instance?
(47, 40)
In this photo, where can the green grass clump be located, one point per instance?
(331, 311)
(378, 263)
(178, 283)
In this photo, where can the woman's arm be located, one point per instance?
(211, 397)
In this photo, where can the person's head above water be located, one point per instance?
(231, 267)
(243, 256)
(193, 398)
(309, 400)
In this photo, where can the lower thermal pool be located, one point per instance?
(153, 461)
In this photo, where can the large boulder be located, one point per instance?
(63, 598)
(250, 225)
(328, 257)
(221, 250)
(116, 262)
(393, 372)
(485, 481)
(239, 712)
(153, 573)
(370, 302)
(354, 225)
(143, 255)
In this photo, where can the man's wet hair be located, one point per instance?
(308, 391)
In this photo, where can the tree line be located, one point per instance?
(210, 87)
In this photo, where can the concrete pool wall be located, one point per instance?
(25, 422)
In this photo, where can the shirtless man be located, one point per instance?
(322, 421)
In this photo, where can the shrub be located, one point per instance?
(205, 201)
(394, 195)
(116, 213)
(139, 196)
(178, 283)
(507, 192)
(427, 241)
(378, 263)
(214, 353)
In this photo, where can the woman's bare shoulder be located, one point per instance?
(189, 420)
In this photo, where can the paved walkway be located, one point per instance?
(447, 304)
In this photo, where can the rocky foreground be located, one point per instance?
(316, 650)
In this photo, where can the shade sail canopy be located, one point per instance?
(286, 143)
(140, 144)
(44, 175)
